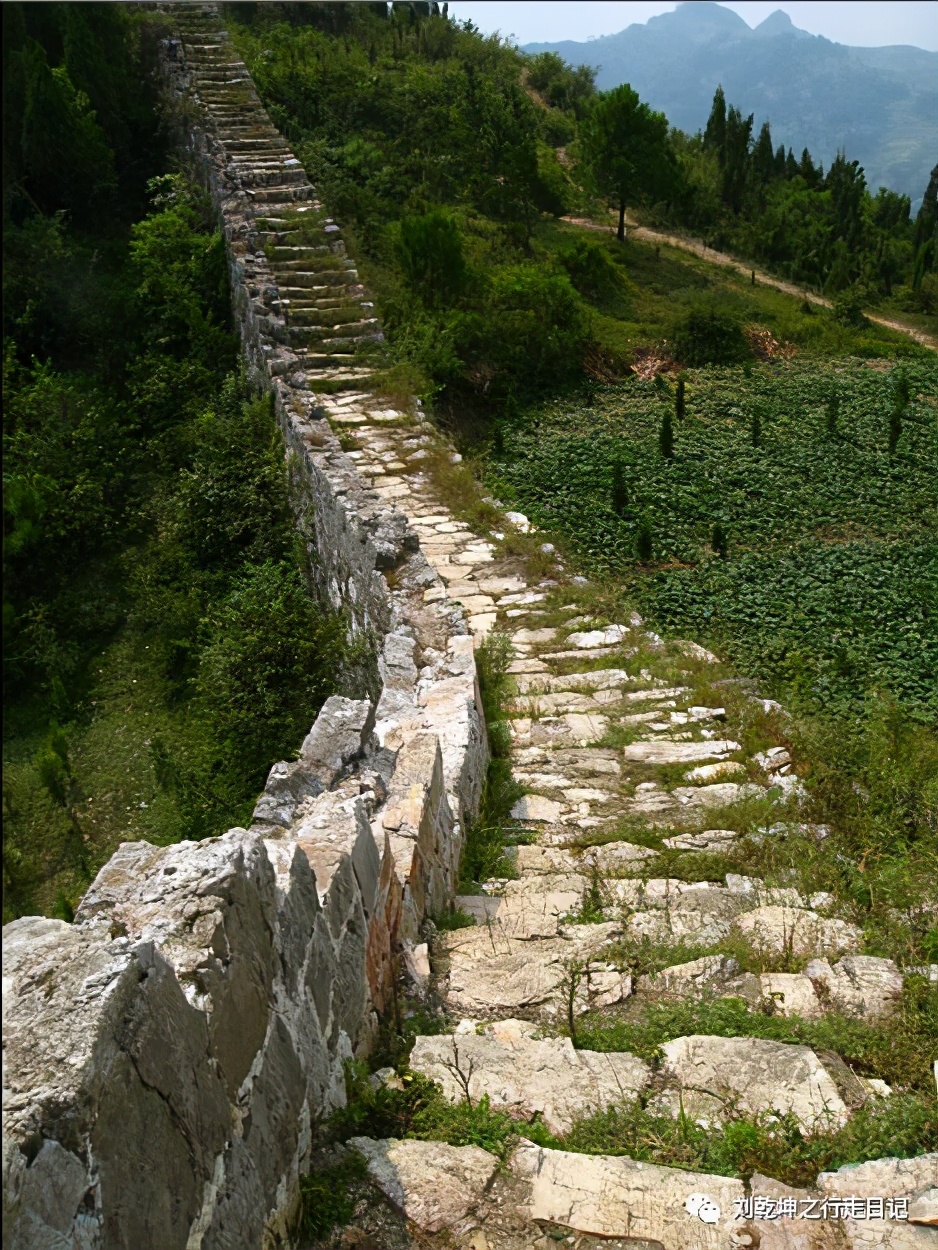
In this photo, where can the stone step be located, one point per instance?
(529, 1077)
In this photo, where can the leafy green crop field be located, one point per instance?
(829, 582)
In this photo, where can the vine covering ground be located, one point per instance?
(825, 580)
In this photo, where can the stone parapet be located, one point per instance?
(168, 1055)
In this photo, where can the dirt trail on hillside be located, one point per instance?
(765, 279)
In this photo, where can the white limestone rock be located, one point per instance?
(907, 1179)
(714, 772)
(491, 974)
(711, 974)
(707, 840)
(803, 932)
(756, 1075)
(535, 807)
(435, 1185)
(678, 752)
(791, 994)
(857, 985)
(619, 1197)
(529, 1076)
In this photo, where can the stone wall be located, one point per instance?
(168, 1055)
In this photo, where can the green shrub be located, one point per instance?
(710, 338)
(268, 662)
(429, 250)
(591, 270)
(531, 335)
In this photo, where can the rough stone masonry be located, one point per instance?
(166, 1056)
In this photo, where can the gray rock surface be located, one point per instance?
(435, 1185)
(756, 1075)
(619, 1197)
(527, 1075)
(857, 985)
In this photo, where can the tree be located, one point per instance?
(620, 498)
(666, 435)
(679, 401)
(643, 541)
(736, 160)
(715, 134)
(626, 150)
(763, 157)
(718, 540)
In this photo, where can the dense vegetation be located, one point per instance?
(446, 154)
(784, 527)
(161, 645)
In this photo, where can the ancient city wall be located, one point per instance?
(168, 1055)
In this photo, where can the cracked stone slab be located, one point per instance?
(535, 807)
(711, 974)
(618, 1197)
(490, 974)
(529, 1076)
(708, 840)
(804, 932)
(858, 985)
(885, 1178)
(756, 1076)
(678, 752)
(522, 916)
(435, 1185)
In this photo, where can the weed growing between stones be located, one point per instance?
(771, 1145)
(899, 1051)
(492, 829)
(327, 1197)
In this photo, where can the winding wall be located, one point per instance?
(167, 1055)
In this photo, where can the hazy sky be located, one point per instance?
(863, 23)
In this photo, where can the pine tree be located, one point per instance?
(666, 435)
(620, 498)
(715, 134)
(679, 402)
(763, 157)
(833, 412)
(718, 540)
(643, 541)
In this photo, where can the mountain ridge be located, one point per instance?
(878, 104)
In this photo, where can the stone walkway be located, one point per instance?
(597, 742)
(600, 746)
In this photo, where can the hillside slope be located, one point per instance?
(879, 104)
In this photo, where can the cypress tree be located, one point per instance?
(620, 497)
(643, 541)
(715, 134)
(718, 539)
(833, 412)
(901, 389)
(666, 435)
(679, 403)
(895, 426)
(763, 156)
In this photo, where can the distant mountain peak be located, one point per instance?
(879, 104)
(701, 21)
(779, 23)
